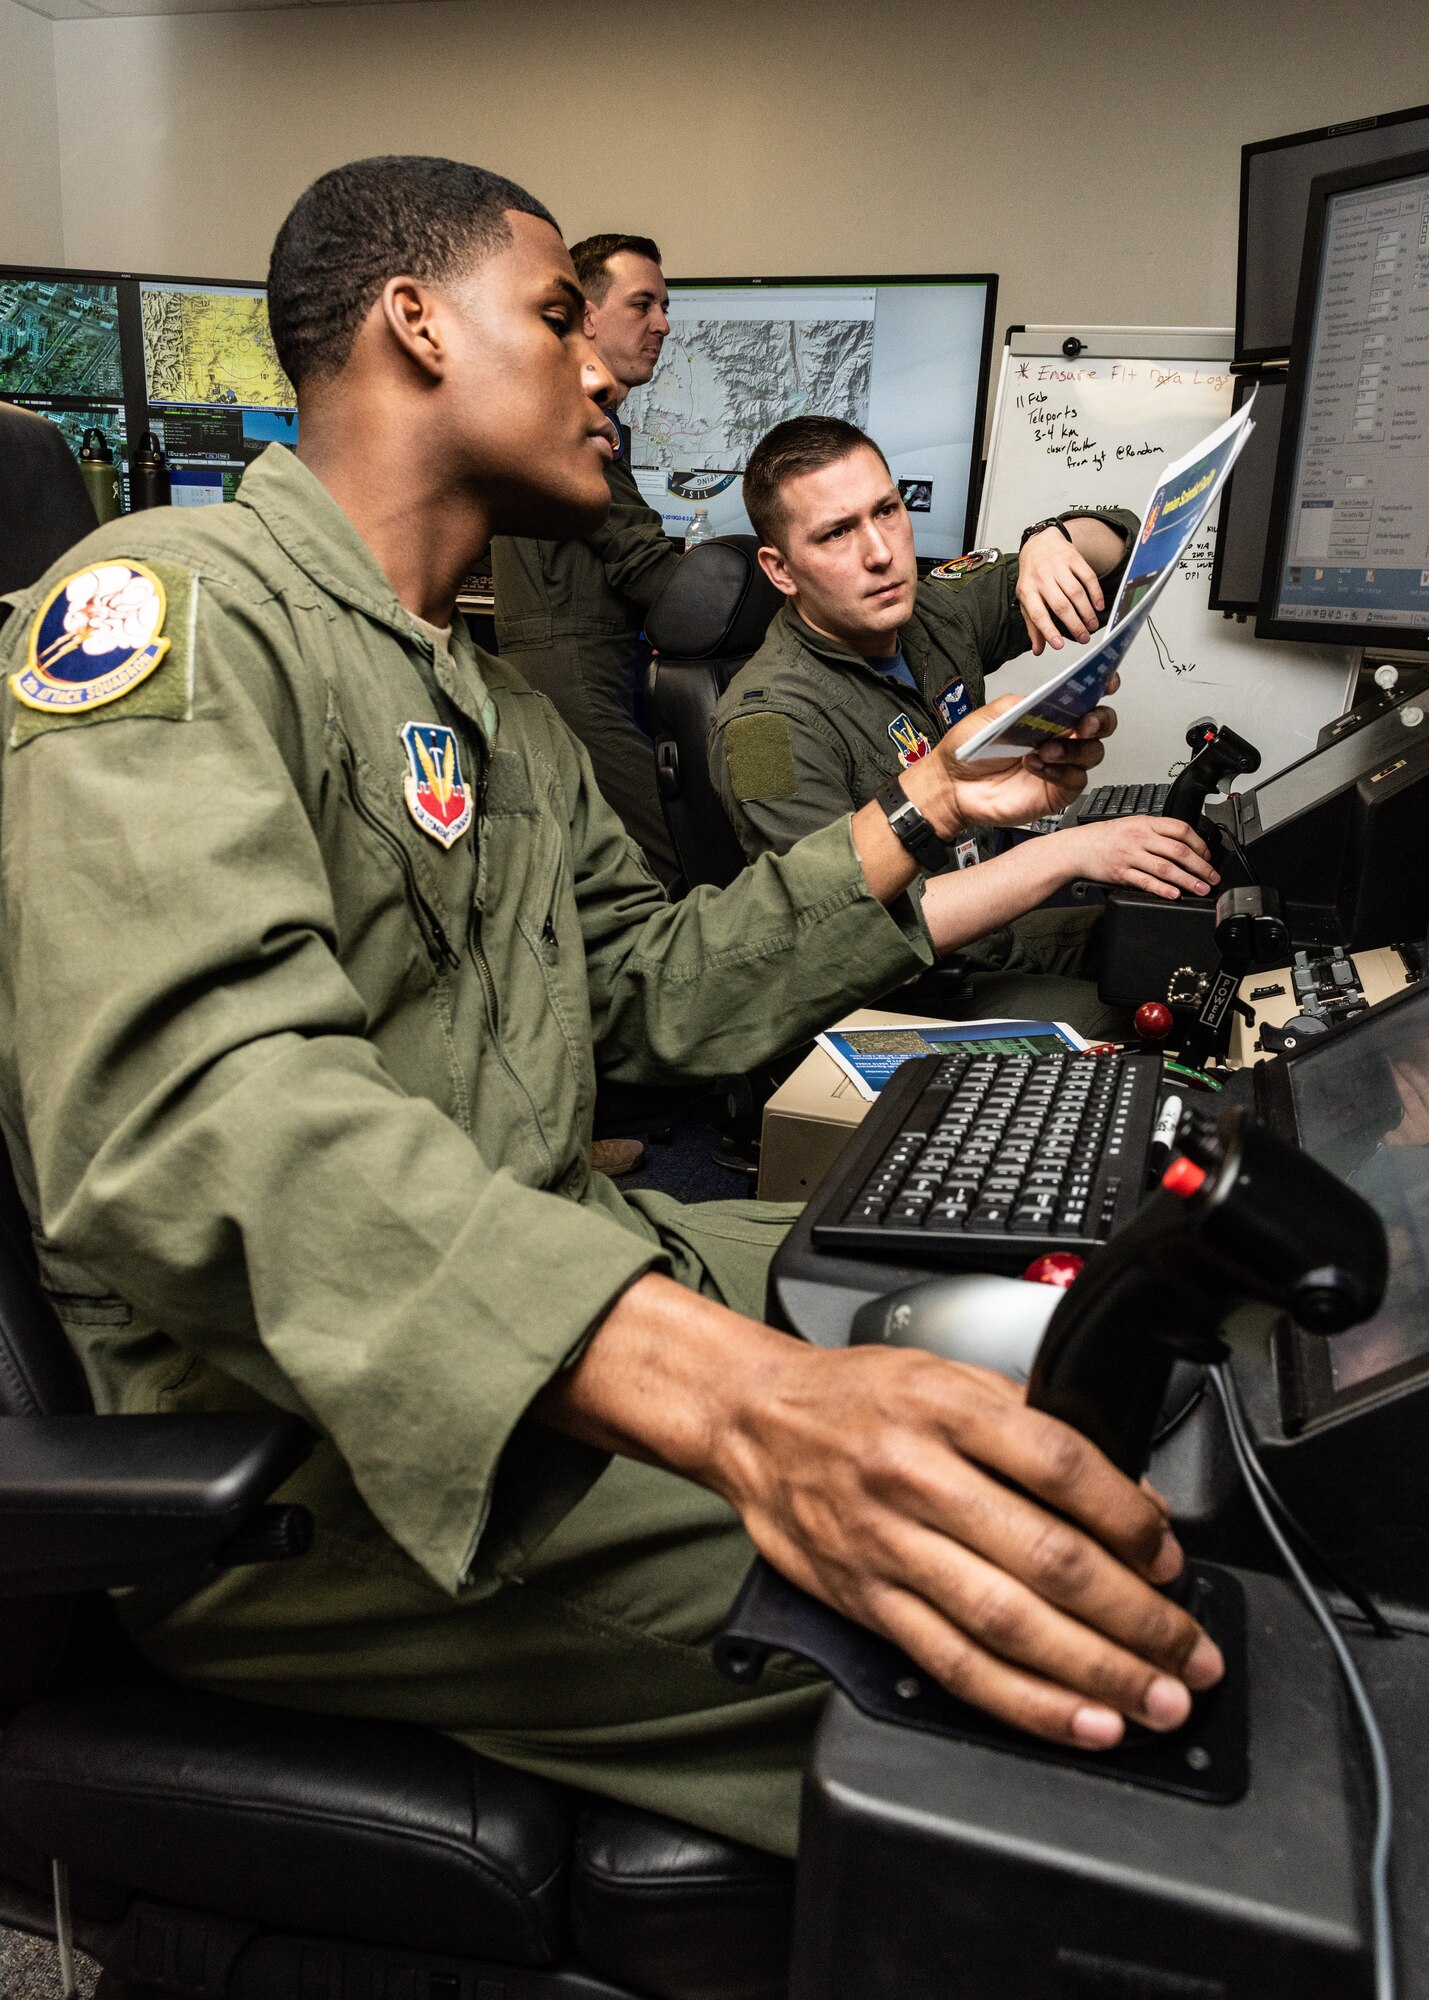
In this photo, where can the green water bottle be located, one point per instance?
(149, 484)
(100, 475)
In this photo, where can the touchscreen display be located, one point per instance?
(1362, 1107)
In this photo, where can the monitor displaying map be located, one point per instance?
(193, 362)
(906, 359)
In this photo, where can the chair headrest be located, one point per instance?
(718, 602)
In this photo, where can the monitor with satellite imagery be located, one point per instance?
(1275, 177)
(193, 361)
(1347, 557)
(904, 358)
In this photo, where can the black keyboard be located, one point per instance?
(1121, 801)
(990, 1160)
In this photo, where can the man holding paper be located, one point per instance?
(866, 668)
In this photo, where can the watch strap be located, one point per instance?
(912, 829)
(1052, 521)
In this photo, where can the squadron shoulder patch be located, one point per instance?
(909, 741)
(438, 797)
(962, 568)
(99, 633)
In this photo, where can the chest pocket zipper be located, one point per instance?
(438, 945)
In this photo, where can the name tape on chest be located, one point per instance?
(953, 704)
(99, 633)
(437, 795)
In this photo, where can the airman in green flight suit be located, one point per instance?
(316, 933)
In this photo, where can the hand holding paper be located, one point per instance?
(1181, 500)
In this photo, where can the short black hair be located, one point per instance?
(592, 255)
(356, 227)
(799, 444)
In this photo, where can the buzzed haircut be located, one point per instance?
(799, 444)
(592, 256)
(399, 215)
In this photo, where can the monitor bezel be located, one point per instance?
(1309, 1394)
(1394, 638)
(136, 408)
(988, 279)
(1316, 135)
(1244, 385)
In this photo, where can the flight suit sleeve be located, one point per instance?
(779, 776)
(726, 978)
(637, 554)
(215, 1138)
(977, 600)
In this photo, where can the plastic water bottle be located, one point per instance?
(699, 530)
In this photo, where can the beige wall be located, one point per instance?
(31, 228)
(1087, 151)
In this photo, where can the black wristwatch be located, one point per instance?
(1052, 521)
(912, 829)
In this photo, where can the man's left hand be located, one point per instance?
(1005, 792)
(1055, 582)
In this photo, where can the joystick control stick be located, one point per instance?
(1239, 1215)
(1220, 754)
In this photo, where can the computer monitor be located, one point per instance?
(190, 359)
(61, 353)
(1347, 557)
(1275, 177)
(1244, 520)
(905, 358)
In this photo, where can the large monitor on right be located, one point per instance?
(1347, 558)
(1275, 177)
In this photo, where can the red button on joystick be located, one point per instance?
(1183, 1177)
(1153, 1021)
(1054, 1267)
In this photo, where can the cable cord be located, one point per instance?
(1254, 1474)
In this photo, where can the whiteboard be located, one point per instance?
(1094, 429)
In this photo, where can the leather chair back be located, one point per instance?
(707, 621)
(44, 508)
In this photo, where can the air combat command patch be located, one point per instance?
(98, 634)
(438, 797)
(909, 740)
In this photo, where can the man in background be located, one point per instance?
(569, 614)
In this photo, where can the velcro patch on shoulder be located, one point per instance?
(962, 569)
(113, 641)
(760, 749)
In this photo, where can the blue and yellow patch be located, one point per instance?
(99, 633)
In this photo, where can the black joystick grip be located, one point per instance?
(1247, 1217)
(1220, 754)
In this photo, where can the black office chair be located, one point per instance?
(707, 621)
(44, 508)
(211, 1847)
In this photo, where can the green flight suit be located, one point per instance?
(569, 615)
(808, 730)
(299, 1101)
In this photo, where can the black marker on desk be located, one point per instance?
(1163, 1135)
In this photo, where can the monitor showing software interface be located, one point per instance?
(1352, 540)
(905, 359)
(193, 362)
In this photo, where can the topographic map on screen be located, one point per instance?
(723, 382)
(210, 346)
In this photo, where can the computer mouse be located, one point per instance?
(990, 1322)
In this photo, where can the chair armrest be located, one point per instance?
(91, 1502)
